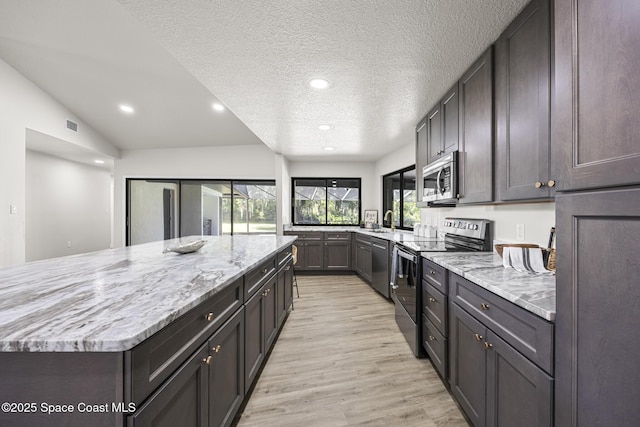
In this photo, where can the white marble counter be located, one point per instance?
(112, 300)
(533, 292)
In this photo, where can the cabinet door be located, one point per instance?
(270, 296)
(421, 155)
(450, 120)
(596, 130)
(182, 400)
(281, 296)
(337, 255)
(518, 392)
(523, 132)
(598, 299)
(475, 162)
(434, 133)
(467, 363)
(226, 371)
(313, 255)
(254, 336)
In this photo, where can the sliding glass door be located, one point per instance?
(164, 209)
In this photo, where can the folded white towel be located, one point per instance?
(524, 259)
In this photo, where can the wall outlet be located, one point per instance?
(69, 243)
(520, 232)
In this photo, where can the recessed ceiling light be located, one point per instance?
(319, 83)
(126, 108)
(100, 162)
(329, 148)
(218, 107)
(325, 127)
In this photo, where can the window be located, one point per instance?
(164, 209)
(326, 201)
(399, 196)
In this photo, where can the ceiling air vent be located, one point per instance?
(71, 125)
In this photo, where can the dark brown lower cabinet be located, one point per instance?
(181, 400)
(337, 255)
(207, 390)
(226, 372)
(518, 392)
(495, 384)
(468, 364)
(261, 320)
(284, 293)
(254, 350)
(270, 295)
(598, 306)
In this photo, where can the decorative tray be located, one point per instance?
(185, 248)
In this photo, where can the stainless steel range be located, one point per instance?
(460, 235)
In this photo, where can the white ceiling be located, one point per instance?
(387, 61)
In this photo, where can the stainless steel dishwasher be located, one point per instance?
(380, 268)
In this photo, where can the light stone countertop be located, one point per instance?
(114, 299)
(533, 292)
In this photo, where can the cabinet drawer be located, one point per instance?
(332, 235)
(307, 235)
(434, 306)
(435, 274)
(529, 334)
(156, 358)
(284, 256)
(258, 277)
(436, 346)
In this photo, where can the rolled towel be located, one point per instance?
(524, 259)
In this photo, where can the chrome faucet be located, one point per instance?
(393, 224)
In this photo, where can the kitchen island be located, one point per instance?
(97, 338)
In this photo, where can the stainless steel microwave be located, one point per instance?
(440, 180)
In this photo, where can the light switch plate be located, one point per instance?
(13, 209)
(520, 232)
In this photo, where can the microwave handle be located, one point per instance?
(438, 181)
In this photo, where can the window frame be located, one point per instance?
(326, 180)
(385, 206)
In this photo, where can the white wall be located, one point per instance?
(231, 162)
(23, 105)
(65, 202)
(363, 170)
(401, 158)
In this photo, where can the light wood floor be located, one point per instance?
(341, 360)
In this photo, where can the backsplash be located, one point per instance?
(535, 218)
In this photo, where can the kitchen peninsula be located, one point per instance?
(114, 337)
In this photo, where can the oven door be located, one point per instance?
(405, 284)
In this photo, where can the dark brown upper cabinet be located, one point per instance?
(475, 160)
(522, 96)
(596, 135)
(421, 157)
(442, 126)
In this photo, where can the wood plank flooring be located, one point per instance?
(341, 360)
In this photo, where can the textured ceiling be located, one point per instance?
(387, 61)
(92, 56)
